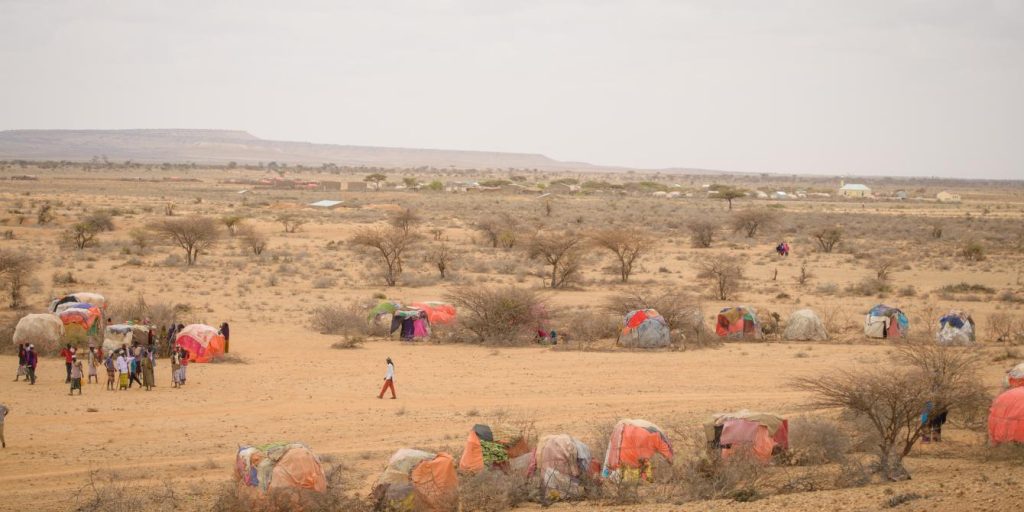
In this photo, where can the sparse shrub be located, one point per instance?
(869, 286)
(64, 278)
(347, 319)
(587, 326)
(16, 270)
(506, 315)
(45, 214)
(816, 441)
(348, 343)
(702, 233)
(972, 250)
(751, 221)
(724, 273)
(252, 239)
(494, 491)
(291, 221)
(828, 238)
(323, 282)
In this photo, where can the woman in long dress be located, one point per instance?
(147, 372)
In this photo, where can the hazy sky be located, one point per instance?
(871, 87)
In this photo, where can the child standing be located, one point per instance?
(76, 376)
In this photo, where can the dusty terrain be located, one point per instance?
(290, 383)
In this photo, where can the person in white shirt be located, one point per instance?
(122, 369)
(389, 380)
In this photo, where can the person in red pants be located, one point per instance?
(389, 381)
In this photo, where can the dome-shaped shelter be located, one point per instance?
(738, 322)
(886, 322)
(1006, 417)
(280, 466)
(44, 330)
(762, 434)
(644, 328)
(79, 322)
(956, 328)
(498, 447)
(415, 480)
(804, 325)
(561, 462)
(94, 299)
(631, 447)
(203, 342)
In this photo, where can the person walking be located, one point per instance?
(21, 362)
(68, 354)
(184, 366)
(389, 380)
(31, 361)
(147, 371)
(76, 376)
(108, 363)
(94, 362)
(135, 368)
(122, 371)
(3, 414)
(176, 367)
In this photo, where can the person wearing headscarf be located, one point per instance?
(21, 362)
(225, 330)
(389, 380)
(147, 371)
(76, 376)
(31, 361)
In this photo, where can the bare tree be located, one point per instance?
(101, 220)
(291, 221)
(884, 267)
(724, 273)
(562, 251)
(702, 233)
(491, 228)
(390, 244)
(628, 245)
(193, 234)
(140, 238)
(508, 315)
(828, 238)
(752, 220)
(442, 256)
(16, 269)
(252, 239)
(500, 231)
(892, 399)
(406, 220)
(231, 222)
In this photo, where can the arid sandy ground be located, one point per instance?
(292, 385)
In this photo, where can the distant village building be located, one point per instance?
(330, 186)
(901, 195)
(947, 197)
(327, 204)
(356, 186)
(778, 195)
(853, 190)
(760, 194)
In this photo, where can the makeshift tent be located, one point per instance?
(804, 325)
(632, 445)
(80, 323)
(956, 328)
(1015, 377)
(561, 462)
(885, 322)
(118, 335)
(417, 480)
(382, 309)
(763, 434)
(87, 297)
(74, 305)
(438, 313)
(413, 323)
(202, 342)
(738, 322)
(280, 466)
(501, 447)
(1006, 417)
(42, 330)
(644, 328)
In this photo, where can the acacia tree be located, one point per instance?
(231, 222)
(291, 221)
(730, 193)
(752, 220)
(16, 269)
(405, 220)
(390, 244)
(892, 399)
(628, 245)
(375, 178)
(500, 231)
(724, 273)
(81, 234)
(252, 239)
(828, 238)
(562, 251)
(193, 234)
(441, 256)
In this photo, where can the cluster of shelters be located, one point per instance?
(415, 320)
(72, 318)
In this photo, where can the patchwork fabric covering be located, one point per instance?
(1015, 377)
(644, 328)
(382, 309)
(561, 462)
(94, 299)
(1006, 417)
(956, 328)
(412, 322)
(80, 322)
(632, 445)
(763, 434)
(738, 322)
(280, 465)
(415, 480)
(804, 325)
(886, 322)
(497, 447)
(438, 313)
(43, 330)
(203, 342)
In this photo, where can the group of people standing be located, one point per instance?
(28, 359)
